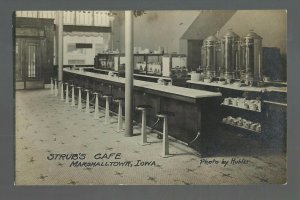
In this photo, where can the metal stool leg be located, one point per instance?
(87, 103)
(120, 120)
(143, 129)
(55, 88)
(62, 91)
(67, 93)
(79, 100)
(165, 150)
(143, 108)
(51, 86)
(73, 96)
(107, 111)
(96, 107)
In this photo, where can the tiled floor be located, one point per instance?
(45, 125)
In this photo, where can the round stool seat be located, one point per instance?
(117, 99)
(78, 87)
(106, 95)
(165, 114)
(143, 107)
(86, 90)
(95, 92)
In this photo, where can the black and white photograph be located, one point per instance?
(150, 97)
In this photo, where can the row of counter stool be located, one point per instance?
(64, 95)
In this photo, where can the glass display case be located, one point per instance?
(148, 64)
(110, 61)
(174, 66)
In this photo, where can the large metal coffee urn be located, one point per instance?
(253, 58)
(230, 45)
(210, 47)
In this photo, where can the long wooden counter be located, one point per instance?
(185, 94)
(242, 88)
(195, 110)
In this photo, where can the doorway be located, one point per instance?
(34, 45)
(194, 54)
(29, 59)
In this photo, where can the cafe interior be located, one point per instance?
(188, 96)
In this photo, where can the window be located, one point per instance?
(31, 61)
(71, 49)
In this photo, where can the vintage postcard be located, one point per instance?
(150, 97)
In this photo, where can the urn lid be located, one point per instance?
(231, 34)
(252, 35)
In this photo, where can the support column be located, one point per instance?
(128, 73)
(60, 45)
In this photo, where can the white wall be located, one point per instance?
(80, 17)
(84, 55)
(155, 28)
(269, 24)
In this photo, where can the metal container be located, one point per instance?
(230, 49)
(210, 47)
(253, 57)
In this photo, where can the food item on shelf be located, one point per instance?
(207, 80)
(241, 103)
(253, 106)
(253, 126)
(226, 101)
(258, 128)
(243, 123)
(240, 123)
(195, 76)
(246, 105)
(235, 121)
(237, 84)
(247, 124)
(235, 101)
(222, 82)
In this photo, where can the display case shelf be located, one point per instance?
(232, 106)
(241, 127)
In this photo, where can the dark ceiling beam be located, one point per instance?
(78, 28)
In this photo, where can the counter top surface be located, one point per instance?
(142, 75)
(243, 88)
(186, 92)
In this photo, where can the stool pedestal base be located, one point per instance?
(67, 93)
(62, 91)
(73, 96)
(79, 100)
(96, 113)
(87, 103)
(51, 86)
(165, 150)
(55, 88)
(144, 143)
